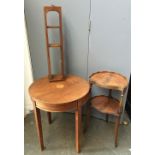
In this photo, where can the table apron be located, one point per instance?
(62, 107)
(56, 108)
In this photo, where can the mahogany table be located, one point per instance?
(108, 105)
(60, 96)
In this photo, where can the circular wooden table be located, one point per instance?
(60, 96)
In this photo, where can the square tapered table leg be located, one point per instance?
(39, 126)
(49, 117)
(77, 128)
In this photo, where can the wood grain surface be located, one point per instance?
(106, 105)
(61, 92)
(109, 80)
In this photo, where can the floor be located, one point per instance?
(59, 137)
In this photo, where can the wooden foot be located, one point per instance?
(77, 128)
(116, 130)
(39, 126)
(49, 117)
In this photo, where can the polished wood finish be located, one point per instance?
(71, 89)
(109, 80)
(60, 76)
(49, 117)
(60, 96)
(38, 126)
(107, 104)
(78, 128)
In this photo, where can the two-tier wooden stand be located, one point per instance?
(108, 104)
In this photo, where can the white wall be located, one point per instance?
(28, 77)
(110, 36)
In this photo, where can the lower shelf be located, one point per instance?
(106, 105)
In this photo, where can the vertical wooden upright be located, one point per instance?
(77, 127)
(51, 76)
(38, 125)
(49, 117)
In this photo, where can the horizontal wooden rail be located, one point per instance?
(52, 26)
(54, 45)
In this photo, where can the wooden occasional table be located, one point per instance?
(60, 96)
(108, 104)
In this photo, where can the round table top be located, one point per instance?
(72, 88)
(109, 80)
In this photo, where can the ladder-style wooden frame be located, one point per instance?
(57, 77)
